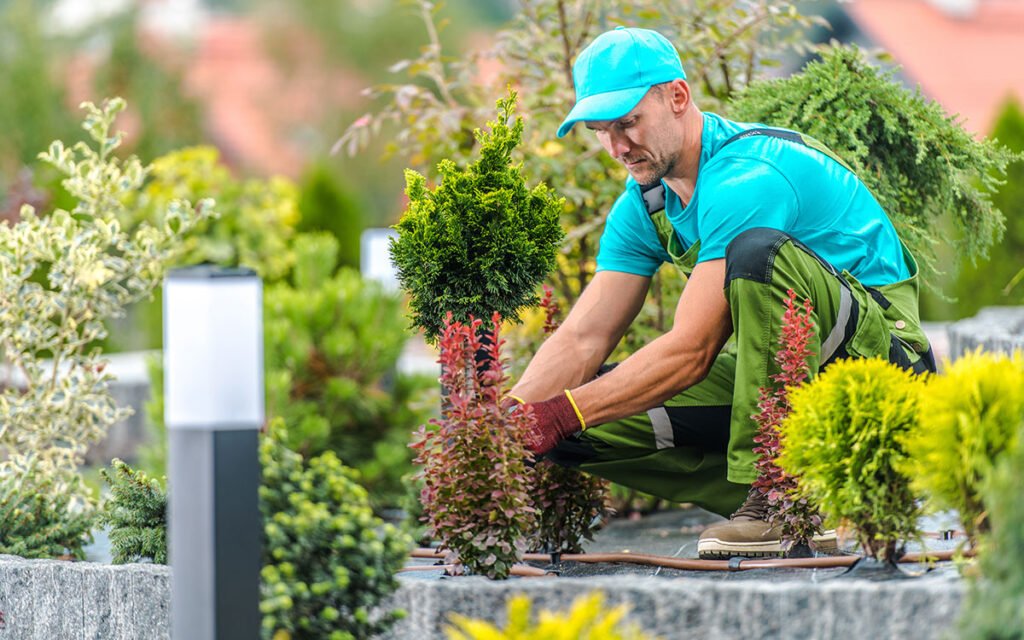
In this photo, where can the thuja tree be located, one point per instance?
(480, 241)
(569, 504)
(476, 484)
(843, 439)
(994, 607)
(61, 276)
(136, 514)
(437, 98)
(798, 516)
(918, 161)
(969, 418)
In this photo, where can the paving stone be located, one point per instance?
(997, 329)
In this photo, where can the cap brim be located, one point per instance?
(603, 106)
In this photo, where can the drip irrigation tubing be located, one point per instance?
(733, 564)
(523, 570)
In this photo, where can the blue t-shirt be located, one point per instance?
(760, 181)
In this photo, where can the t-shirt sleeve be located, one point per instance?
(629, 242)
(741, 193)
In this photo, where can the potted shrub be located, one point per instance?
(476, 484)
(844, 440)
(969, 417)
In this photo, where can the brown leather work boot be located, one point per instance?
(748, 534)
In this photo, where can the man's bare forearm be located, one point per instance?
(670, 364)
(596, 323)
(562, 362)
(646, 379)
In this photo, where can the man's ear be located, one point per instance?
(679, 95)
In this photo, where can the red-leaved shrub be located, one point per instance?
(476, 481)
(800, 520)
(569, 503)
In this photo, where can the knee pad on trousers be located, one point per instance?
(751, 254)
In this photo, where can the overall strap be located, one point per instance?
(792, 136)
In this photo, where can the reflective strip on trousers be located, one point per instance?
(662, 425)
(834, 340)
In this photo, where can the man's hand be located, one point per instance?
(554, 420)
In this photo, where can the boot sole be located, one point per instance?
(718, 549)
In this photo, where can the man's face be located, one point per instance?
(643, 140)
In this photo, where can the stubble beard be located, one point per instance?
(653, 170)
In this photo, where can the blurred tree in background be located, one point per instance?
(33, 98)
(993, 281)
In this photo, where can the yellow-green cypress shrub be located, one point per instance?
(968, 417)
(843, 439)
(588, 618)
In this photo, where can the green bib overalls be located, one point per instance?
(698, 446)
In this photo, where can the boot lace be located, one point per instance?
(754, 508)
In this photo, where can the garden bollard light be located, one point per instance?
(375, 257)
(213, 391)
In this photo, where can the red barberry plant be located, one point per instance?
(800, 520)
(569, 504)
(476, 482)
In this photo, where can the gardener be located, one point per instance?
(746, 213)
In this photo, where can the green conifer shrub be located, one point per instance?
(326, 205)
(843, 439)
(919, 163)
(476, 485)
(332, 343)
(480, 241)
(969, 416)
(37, 518)
(328, 561)
(994, 607)
(136, 514)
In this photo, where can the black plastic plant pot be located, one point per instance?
(869, 568)
(802, 550)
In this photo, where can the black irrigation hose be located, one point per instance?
(734, 564)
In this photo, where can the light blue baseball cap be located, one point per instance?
(616, 70)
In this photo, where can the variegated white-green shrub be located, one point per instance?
(61, 276)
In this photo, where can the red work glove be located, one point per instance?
(555, 420)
